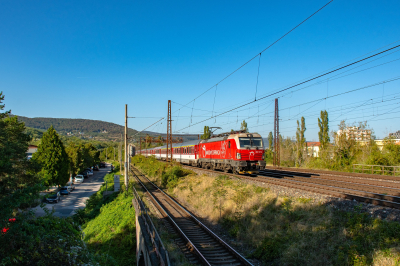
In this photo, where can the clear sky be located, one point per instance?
(87, 59)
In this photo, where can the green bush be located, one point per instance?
(170, 178)
(168, 174)
(37, 241)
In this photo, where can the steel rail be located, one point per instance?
(161, 251)
(226, 245)
(328, 172)
(373, 198)
(202, 258)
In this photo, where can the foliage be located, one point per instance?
(243, 126)
(171, 176)
(168, 175)
(53, 159)
(300, 140)
(35, 134)
(323, 134)
(269, 156)
(270, 141)
(19, 185)
(111, 234)
(207, 133)
(88, 127)
(13, 146)
(82, 156)
(287, 152)
(38, 241)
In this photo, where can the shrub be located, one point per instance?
(36, 241)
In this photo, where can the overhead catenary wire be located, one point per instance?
(272, 44)
(334, 77)
(148, 127)
(338, 76)
(332, 96)
(301, 83)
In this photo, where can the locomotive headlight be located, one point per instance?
(238, 156)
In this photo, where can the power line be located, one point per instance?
(332, 96)
(148, 127)
(338, 76)
(259, 54)
(301, 83)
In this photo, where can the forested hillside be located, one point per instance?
(77, 127)
(85, 129)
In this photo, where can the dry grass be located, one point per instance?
(289, 231)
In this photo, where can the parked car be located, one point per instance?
(70, 186)
(64, 191)
(90, 173)
(84, 174)
(95, 168)
(79, 179)
(54, 198)
(102, 165)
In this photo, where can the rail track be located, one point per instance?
(377, 192)
(200, 244)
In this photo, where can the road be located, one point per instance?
(77, 199)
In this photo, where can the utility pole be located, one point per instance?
(140, 144)
(169, 132)
(120, 156)
(126, 147)
(277, 157)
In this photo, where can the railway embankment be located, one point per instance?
(108, 225)
(281, 226)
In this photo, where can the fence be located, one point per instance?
(376, 169)
(150, 249)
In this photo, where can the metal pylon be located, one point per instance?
(169, 133)
(277, 157)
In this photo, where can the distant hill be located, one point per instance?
(85, 128)
(78, 127)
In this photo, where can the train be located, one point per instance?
(235, 152)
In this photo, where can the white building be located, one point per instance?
(356, 133)
(313, 148)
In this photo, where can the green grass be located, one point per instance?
(112, 234)
(109, 225)
(166, 175)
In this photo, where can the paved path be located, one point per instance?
(77, 199)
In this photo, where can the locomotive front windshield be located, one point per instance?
(251, 143)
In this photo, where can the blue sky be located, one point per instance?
(87, 59)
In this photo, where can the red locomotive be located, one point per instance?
(237, 152)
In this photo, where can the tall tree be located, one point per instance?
(53, 159)
(243, 126)
(268, 153)
(270, 140)
(148, 140)
(323, 134)
(207, 133)
(300, 139)
(160, 140)
(19, 185)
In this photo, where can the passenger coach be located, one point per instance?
(236, 152)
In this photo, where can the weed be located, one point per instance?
(304, 200)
